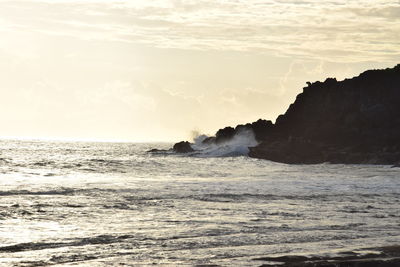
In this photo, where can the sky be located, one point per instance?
(158, 70)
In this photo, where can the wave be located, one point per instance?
(236, 146)
(100, 239)
(60, 191)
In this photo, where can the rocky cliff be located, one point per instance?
(352, 121)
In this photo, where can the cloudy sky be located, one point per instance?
(155, 70)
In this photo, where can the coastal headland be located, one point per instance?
(354, 121)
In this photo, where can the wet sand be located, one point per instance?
(372, 257)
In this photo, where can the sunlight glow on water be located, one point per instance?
(101, 204)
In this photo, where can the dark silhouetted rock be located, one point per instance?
(224, 135)
(351, 121)
(183, 147)
(289, 151)
(261, 129)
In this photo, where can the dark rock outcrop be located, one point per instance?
(224, 135)
(260, 128)
(352, 121)
(183, 147)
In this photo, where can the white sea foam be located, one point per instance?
(237, 146)
(109, 204)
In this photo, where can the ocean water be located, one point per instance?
(114, 204)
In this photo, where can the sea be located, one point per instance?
(116, 204)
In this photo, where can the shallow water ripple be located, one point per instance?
(104, 204)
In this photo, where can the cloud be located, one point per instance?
(391, 12)
(331, 30)
(119, 66)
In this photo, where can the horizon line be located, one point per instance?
(88, 140)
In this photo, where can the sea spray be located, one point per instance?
(238, 145)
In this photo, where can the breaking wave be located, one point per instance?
(237, 146)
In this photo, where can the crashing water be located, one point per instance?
(238, 145)
(104, 204)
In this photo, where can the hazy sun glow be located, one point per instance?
(156, 70)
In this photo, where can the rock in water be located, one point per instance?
(352, 121)
(183, 147)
